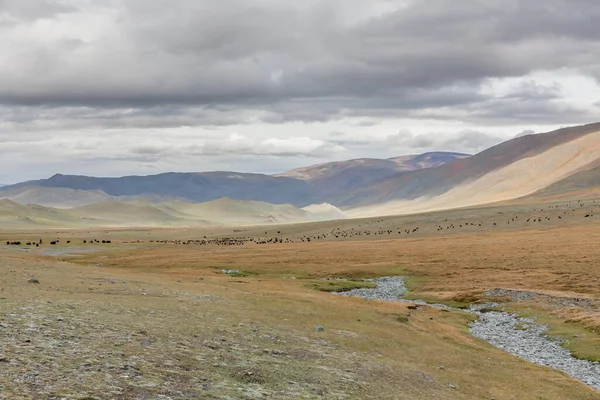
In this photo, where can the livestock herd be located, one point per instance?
(52, 243)
(374, 228)
(363, 229)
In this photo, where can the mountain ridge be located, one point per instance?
(519, 161)
(435, 181)
(199, 187)
(562, 160)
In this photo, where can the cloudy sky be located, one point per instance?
(114, 87)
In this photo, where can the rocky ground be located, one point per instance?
(127, 339)
(526, 339)
(522, 337)
(69, 350)
(556, 301)
(173, 322)
(388, 288)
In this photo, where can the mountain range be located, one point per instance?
(301, 187)
(551, 164)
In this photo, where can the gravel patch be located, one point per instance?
(231, 271)
(522, 337)
(526, 339)
(515, 295)
(521, 295)
(388, 288)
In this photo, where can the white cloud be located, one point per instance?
(136, 86)
(298, 145)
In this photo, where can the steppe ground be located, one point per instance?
(141, 319)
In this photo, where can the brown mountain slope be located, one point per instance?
(333, 178)
(394, 164)
(510, 170)
(583, 183)
(330, 169)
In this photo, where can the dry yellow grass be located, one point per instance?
(253, 336)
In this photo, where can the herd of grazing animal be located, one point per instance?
(372, 228)
(18, 243)
(52, 243)
(219, 241)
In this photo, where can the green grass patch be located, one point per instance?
(437, 300)
(415, 284)
(583, 343)
(341, 286)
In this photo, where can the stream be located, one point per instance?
(522, 337)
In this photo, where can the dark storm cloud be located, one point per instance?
(530, 102)
(532, 91)
(147, 63)
(498, 112)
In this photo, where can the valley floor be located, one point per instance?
(152, 315)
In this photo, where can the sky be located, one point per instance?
(120, 87)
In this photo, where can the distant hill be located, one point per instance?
(54, 197)
(59, 197)
(120, 214)
(429, 160)
(332, 178)
(17, 215)
(302, 187)
(325, 212)
(243, 212)
(192, 187)
(393, 165)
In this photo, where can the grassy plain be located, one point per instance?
(138, 319)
